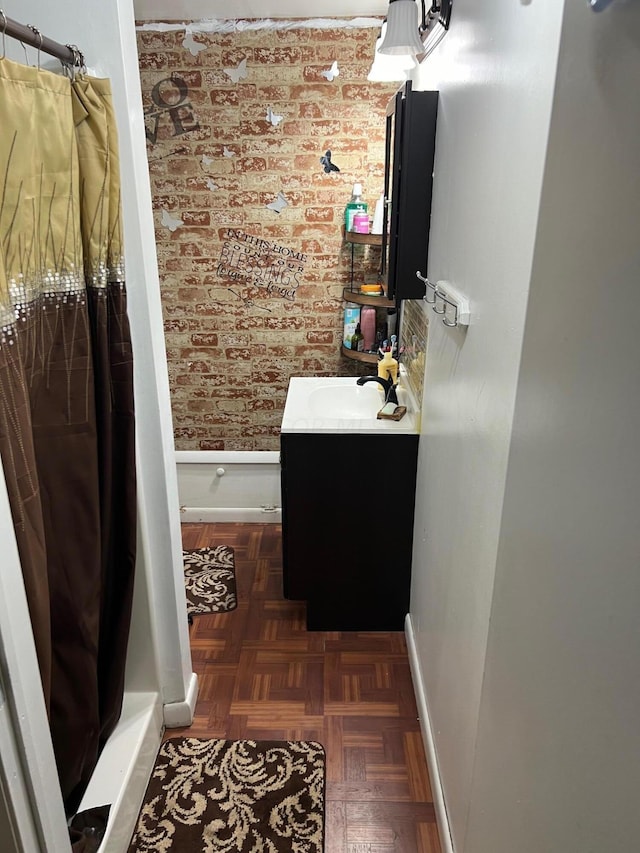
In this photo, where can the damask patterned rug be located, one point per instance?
(210, 580)
(234, 796)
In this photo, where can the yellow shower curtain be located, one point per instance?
(66, 398)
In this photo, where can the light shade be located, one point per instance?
(388, 68)
(403, 35)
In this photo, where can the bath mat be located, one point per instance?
(240, 796)
(210, 580)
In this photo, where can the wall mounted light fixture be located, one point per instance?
(407, 35)
(387, 67)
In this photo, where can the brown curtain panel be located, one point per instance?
(66, 398)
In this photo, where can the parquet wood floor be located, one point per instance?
(263, 676)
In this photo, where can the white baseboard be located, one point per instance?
(178, 714)
(212, 514)
(442, 819)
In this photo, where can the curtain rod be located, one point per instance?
(33, 37)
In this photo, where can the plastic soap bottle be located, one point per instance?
(357, 341)
(355, 205)
(388, 367)
(368, 326)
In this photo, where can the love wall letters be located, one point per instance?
(171, 97)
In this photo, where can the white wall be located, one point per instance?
(494, 70)
(558, 760)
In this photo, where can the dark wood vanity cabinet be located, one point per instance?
(409, 155)
(347, 527)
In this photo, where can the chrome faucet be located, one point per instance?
(390, 395)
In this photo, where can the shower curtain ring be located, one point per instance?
(39, 34)
(78, 60)
(82, 65)
(4, 34)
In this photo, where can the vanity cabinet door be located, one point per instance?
(409, 156)
(347, 503)
(295, 474)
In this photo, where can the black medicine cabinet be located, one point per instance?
(408, 181)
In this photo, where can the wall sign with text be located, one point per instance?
(261, 263)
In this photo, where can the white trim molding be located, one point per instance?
(439, 804)
(178, 714)
(232, 26)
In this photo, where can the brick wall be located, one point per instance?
(252, 296)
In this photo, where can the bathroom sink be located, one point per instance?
(337, 404)
(345, 401)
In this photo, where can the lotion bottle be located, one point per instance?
(368, 326)
(388, 367)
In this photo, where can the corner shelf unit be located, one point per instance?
(349, 295)
(367, 357)
(367, 299)
(356, 238)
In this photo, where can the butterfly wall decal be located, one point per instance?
(332, 72)
(279, 203)
(327, 165)
(211, 185)
(227, 152)
(189, 43)
(206, 160)
(169, 221)
(239, 73)
(273, 117)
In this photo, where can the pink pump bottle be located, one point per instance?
(368, 326)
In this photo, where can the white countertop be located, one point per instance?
(325, 404)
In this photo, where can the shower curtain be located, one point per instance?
(66, 399)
